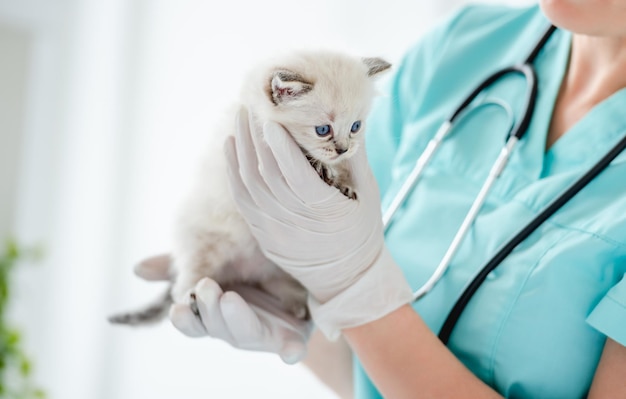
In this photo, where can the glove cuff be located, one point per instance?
(380, 290)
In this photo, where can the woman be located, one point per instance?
(551, 320)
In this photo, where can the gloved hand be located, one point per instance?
(333, 245)
(245, 316)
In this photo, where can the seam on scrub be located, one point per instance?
(508, 313)
(601, 237)
(433, 48)
(437, 51)
(604, 238)
(618, 303)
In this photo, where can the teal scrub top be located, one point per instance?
(537, 325)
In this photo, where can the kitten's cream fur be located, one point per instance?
(300, 91)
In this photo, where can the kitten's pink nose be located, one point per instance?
(340, 150)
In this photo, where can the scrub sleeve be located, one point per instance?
(609, 316)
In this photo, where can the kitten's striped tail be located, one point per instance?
(152, 314)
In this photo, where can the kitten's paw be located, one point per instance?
(324, 171)
(300, 311)
(348, 192)
(327, 174)
(193, 303)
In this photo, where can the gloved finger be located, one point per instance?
(255, 217)
(244, 324)
(155, 268)
(269, 167)
(294, 347)
(185, 321)
(260, 220)
(264, 329)
(240, 193)
(361, 172)
(270, 211)
(208, 294)
(298, 174)
(255, 328)
(248, 162)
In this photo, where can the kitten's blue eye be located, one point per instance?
(322, 130)
(355, 126)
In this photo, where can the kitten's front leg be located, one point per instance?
(347, 191)
(339, 179)
(335, 179)
(324, 171)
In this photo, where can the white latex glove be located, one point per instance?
(333, 245)
(245, 316)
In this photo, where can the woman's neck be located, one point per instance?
(597, 67)
(596, 70)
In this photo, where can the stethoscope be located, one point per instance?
(516, 133)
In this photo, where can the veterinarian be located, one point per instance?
(550, 320)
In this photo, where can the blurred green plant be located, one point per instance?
(15, 366)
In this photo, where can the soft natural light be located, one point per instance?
(116, 101)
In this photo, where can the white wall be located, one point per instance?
(118, 97)
(15, 46)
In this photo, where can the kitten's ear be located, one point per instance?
(375, 65)
(286, 86)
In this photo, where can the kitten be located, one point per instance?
(322, 100)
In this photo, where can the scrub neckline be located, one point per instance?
(589, 138)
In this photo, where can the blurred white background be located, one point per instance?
(104, 109)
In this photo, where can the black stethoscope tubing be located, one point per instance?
(518, 131)
(555, 205)
(525, 69)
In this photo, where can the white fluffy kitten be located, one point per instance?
(322, 99)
